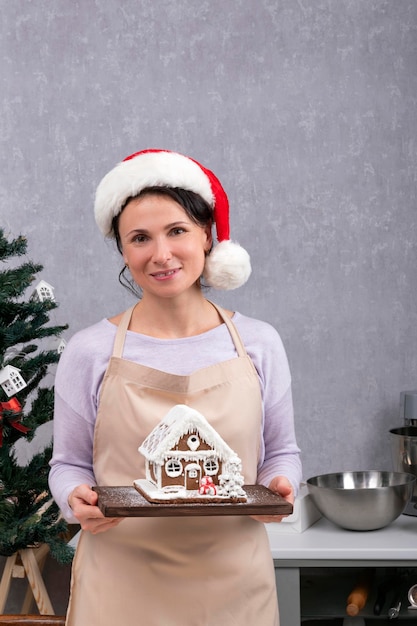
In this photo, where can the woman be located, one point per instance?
(119, 378)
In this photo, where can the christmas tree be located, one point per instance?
(28, 514)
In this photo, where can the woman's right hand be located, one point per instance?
(83, 502)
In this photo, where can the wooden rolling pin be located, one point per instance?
(359, 595)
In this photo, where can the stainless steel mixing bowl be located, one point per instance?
(404, 457)
(364, 500)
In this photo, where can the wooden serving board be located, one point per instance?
(128, 502)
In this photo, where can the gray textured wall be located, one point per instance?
(305, 109)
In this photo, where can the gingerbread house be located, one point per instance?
(183, 450)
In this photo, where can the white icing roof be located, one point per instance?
(179, 421)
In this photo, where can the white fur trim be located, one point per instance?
(151, 169)
(227, 266)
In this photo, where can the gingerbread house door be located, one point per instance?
(192, 476)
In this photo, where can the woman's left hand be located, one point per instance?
(282, 486)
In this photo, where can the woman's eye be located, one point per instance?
(139, 238)
(178, 230)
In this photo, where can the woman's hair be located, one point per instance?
(197, 209)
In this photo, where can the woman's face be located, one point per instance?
(163, 248)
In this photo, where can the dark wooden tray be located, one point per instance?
(127, 502)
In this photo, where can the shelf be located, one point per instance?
(321, 553)
(324, 592)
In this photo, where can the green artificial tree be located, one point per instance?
(28, 514)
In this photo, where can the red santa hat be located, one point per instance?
(228, 264)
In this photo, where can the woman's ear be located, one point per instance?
(209, 242)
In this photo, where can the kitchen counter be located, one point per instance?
(325, 545)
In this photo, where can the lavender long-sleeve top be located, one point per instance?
(82, 367)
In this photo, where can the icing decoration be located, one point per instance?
(207, 486)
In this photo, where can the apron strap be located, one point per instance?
(237, 340)
(119, 341)
(127, 316)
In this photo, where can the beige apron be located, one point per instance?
(177, 571)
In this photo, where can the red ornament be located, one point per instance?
(14, 406)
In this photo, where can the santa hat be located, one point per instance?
(228, 264)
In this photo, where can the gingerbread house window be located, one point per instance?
(193, 442)
(173, 468)
(211, 466)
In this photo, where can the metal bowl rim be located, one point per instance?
(408, 432)
(407, 478)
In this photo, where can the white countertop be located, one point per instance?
(325, 541)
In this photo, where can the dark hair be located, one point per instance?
(197, 209)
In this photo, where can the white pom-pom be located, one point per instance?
(227, 266)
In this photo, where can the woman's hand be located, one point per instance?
(282, 486)
(83, 502)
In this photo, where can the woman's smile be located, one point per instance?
(163, 275)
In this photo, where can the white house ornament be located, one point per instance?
(11, 380)
(57, 344)
(43, 291)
